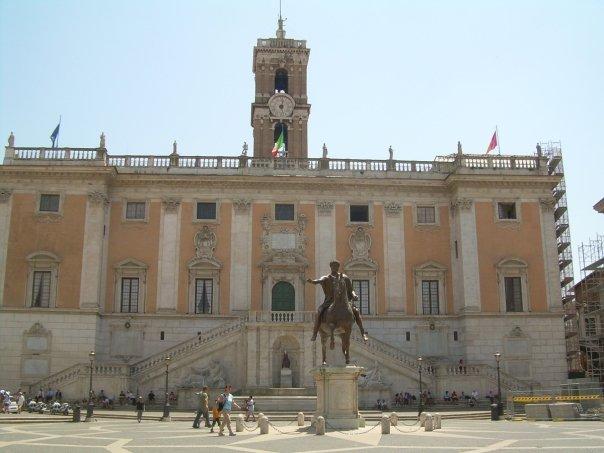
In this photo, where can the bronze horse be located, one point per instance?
(337, 319)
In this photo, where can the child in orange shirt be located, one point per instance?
(215, 416)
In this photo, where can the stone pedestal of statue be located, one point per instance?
(286, 378)
(338, 395)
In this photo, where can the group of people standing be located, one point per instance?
(222, 407)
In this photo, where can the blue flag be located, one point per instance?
(55, 134)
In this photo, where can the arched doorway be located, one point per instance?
(283, 297)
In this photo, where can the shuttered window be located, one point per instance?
(41, 289)
(513, 294)
(430, 301)
(361, 288)
(130, 291)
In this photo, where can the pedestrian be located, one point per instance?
(249, 406)
(140, 407)
(6, 402)
(228, 403)
(20, 402)
(216, 410)
(202, 408)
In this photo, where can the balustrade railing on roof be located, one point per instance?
(441, 164)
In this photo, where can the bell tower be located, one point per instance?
(281, 102)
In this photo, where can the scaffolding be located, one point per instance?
(590, 298)
(555, 166)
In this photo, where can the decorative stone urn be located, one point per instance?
(338, 395)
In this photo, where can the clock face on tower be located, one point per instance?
(281, 105)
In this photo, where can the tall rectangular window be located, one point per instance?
(135, 210)
(206, 210)
(426, 214)
(204, 294)
(359, 213)
(49, 202)
(284, 211)
(430, 302)
(130, 291)
(41, 289)
(361, 288)
(513, 294)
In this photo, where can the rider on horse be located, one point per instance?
(327, 282)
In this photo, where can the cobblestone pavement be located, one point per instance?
(478, 436)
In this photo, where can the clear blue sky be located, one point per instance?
(415, 75)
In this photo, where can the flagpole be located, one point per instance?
(59, 131)
(498, 143)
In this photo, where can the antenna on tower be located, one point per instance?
(280, 30)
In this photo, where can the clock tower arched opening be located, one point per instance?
(281, 80)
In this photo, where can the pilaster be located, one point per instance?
(325, 242)
(241, 256)
(467, 247)
(92, 251)
(394, 253)
(169, 242)
(5, 214)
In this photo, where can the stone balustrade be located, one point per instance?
(281, 316)
(256, 165)
(487, 371)
(186, 347)
(377, 346)
(58, 380)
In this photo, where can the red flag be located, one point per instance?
(493, 143)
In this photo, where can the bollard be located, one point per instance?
(263, 423)
(239, 423)
(393, 419)
(422, 419)
(361, 421)
(300, 419)
(429, 423)
(320, 426)
(77, 415)
(385, 425)
(437, 421)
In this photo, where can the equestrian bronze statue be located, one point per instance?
(337, 314)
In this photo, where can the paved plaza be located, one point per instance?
(455, 436)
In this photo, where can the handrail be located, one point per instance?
(379, 346)
(187, 346)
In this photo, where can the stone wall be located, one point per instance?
(36, 344)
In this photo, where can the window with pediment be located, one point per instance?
(430, 292)
(130, 286)
(512, 279)
(42, 279)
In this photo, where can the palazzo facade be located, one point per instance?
(204, 259)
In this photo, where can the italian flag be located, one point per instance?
(279, 148)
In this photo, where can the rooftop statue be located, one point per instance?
(337, 314)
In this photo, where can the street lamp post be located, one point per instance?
(166, 416)
(499, 403)
(90, 406)
(420, 407)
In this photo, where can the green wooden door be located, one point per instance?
(283, 297)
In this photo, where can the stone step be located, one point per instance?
(277, 391)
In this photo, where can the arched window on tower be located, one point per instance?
(281, 80)
(278, 128)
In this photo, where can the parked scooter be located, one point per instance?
(34, 406)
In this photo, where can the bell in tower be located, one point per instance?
(281, 103)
